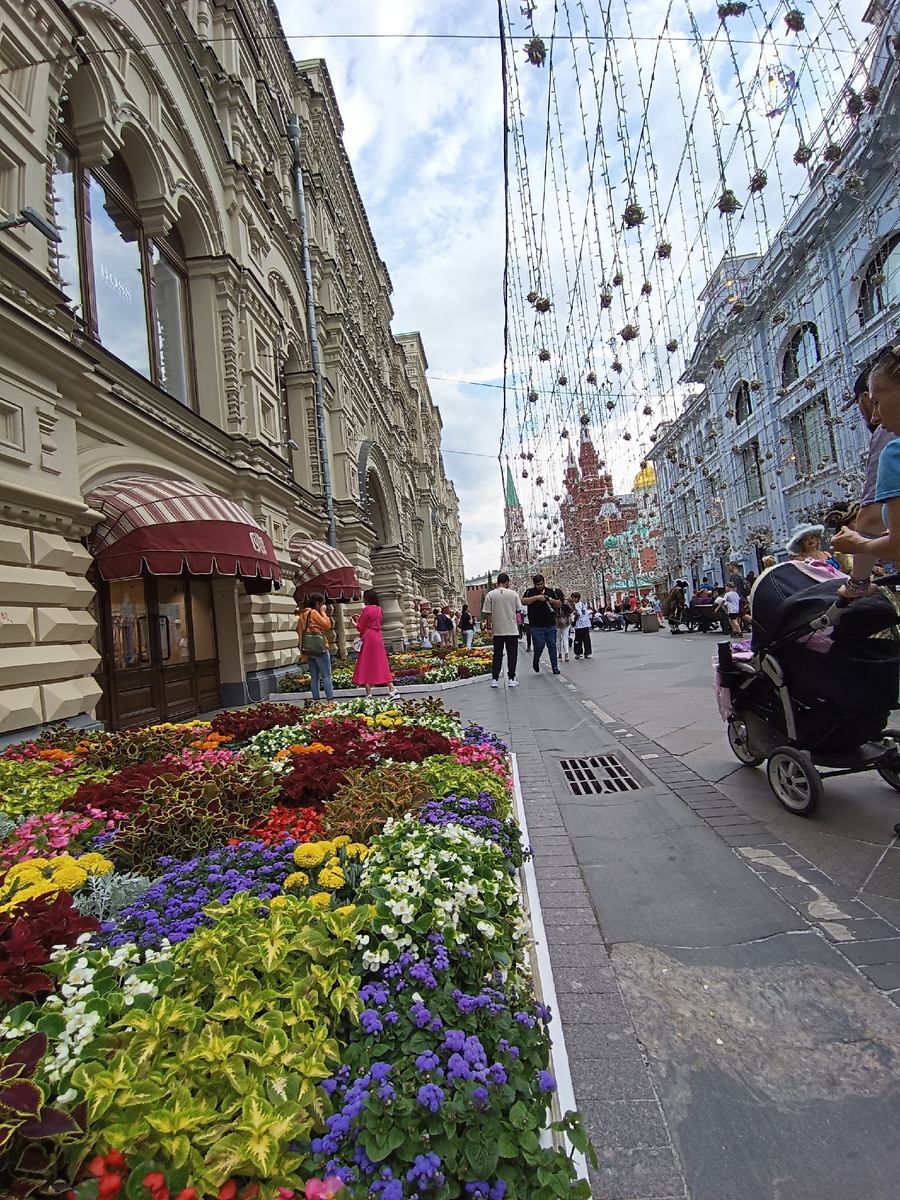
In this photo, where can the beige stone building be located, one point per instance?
(161, 452)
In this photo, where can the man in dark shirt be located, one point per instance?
(543, 604)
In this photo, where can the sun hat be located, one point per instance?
(799, 532)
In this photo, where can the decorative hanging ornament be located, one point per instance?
(795, 20)
(672, 345)
(626, 436)
(758, 181)
(728, 202)
(556, 498)
(732, 10)
(606, 299)
(718, 362)
(617, 366)
(755, 385)
(646, 287)
(529, 456)
(664, 250)
(533, 397)
(610, 404)
(562, 380)
(565, 433)
(634, 215)
(531, 297)
(590, 377)
(544, 354)
(802, 154)
(833, 153)
(628, 333)
(539, 480)
(542, 304)
(778, 316)
(524, 474)
(584, 419)
(738, 305)
(536, 51)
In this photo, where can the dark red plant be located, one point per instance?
(412, 743)
(313, 780)
(239, 726)
(26, 938)
(31, 1132)
(123, 792)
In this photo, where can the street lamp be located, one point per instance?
(30, 216)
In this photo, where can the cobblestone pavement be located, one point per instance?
(726, 972)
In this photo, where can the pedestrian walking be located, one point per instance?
(313, 625)
(731, 604)
(583, 622)
(563, 629)
(542, 604)
(424, 632)
(526, 629)
(372, 668)
(467, 626)
(499, 610)
(677, 605)
(443, 623)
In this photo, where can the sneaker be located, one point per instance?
(578, 658)
(536, 667)
(557, 672)
(495, 683)
(514, 683)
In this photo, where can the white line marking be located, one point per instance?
(598, 712)
(649, 756)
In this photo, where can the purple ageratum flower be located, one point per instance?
(370, 1021)
(430, 1096)
(458, 1068)
(427, 1167)
(542, 1011)
(480, 1097)
(546, 1082)
(380, 1071)
(454, 1039)
(498, 1191)
(497, 1074)
(427, 1061)
(524, 1019)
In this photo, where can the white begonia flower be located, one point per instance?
(67, 1096)
(389, 932)
(84, 939)
(486, 928)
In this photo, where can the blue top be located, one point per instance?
(887, 485)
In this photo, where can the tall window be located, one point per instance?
(752, 471)
(743, 404)
(131, 290)
(812, 438)
(881, 283)
(802, 354)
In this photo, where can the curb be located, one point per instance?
(415, 689)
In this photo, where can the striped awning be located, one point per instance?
(322, 568)
(169, 525)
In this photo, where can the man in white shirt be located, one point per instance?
(499, 609)
(731, 602)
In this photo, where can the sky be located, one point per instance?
(423, 130)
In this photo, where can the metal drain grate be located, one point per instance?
(601, 774)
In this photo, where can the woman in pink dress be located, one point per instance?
(372, 669)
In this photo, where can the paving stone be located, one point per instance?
(884, 975)
(574, 935)
(570, 914)
(625, 1125)
(637, 1175)
(863, 929)
(604, 1008)
(612, 1072)
(562, 957)
(874, 953)
(588, 983)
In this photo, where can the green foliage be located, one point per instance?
(188, 814)
(128, 747)
(33, 787)
(446, 777)
(102, 896)
(221, 1072)
(371, 797)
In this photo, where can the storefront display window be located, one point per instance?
(128, 611)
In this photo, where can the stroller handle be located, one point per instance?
(832, 617)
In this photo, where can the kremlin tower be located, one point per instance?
(590, 511)
(516, 550)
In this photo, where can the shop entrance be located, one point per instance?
(157, 642)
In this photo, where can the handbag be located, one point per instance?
(357, 645)
(312, 644)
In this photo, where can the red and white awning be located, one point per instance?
(323, 568)
(169, 525)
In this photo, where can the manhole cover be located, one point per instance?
(593, 776)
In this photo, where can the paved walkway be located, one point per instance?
(725, 974)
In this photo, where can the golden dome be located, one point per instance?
(645, 478)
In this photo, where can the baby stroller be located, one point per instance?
(817, 689)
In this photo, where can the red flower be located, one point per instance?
(154, 1180)
(227, 1190)
(188, 1193)
(109, 1184)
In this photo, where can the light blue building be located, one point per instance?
(771, 435)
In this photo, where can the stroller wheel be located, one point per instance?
(737, 740)
(795, 781)
(889, 776)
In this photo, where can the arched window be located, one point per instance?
(743, 404)
(881, 282)
(802, 354)
(130, 290)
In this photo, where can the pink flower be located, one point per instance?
(324, 1189)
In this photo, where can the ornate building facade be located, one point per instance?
(161, 355)
(771, 437)
(516, 550)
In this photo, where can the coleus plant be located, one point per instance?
(27, 937)
(32, 1133)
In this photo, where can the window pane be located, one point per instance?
(890, 289)
(129, 624)
(118, 283)
(171, 327)
(173, 627)
(202, 613)
(67, 225)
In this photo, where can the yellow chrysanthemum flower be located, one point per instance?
(341, 840)
(94, 863)
(278, 902)
(320, 900)
(26, 872)
(334, 861)
(312, 854)
(331, 877)
(69, 879)
(346, 909)
(297, 879)
(356, 850)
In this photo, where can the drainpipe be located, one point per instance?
(300, 196)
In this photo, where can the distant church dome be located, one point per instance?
(645, 479)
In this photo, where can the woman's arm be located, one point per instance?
(848, 541)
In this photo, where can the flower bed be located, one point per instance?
(280, 954)
(410, 667)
